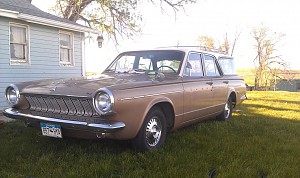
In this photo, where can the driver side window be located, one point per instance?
(168, 66)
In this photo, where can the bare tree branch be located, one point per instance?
(116, 18)
(236, 37)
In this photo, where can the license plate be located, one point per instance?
(51, 130)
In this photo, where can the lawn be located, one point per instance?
(262, 139)
(248, 76)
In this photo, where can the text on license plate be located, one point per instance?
(51, 130)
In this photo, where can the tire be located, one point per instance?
(227, 113)
(152, 134)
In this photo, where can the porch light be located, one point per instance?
(100, 40)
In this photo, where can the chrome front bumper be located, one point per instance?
(102, 126)
(244, 97)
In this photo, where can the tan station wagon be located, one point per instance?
(140, 96)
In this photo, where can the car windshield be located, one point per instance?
(166, 61)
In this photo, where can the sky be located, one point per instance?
(213, 18)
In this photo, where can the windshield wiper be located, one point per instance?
(130, 71)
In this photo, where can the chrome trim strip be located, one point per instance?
(97, 127)
(137, 97)
(171, 92)
(57, 95)
(199, 109)
(150, 95)
(126, 99)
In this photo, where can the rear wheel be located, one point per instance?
(152, 134)
(227, 113)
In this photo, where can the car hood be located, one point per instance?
(87, 86)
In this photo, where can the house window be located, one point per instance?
(18, 44)
(298, 86)
(66, 49)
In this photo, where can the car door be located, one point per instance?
(197, 89)
(219, 82)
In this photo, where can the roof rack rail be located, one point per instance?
(204, 48)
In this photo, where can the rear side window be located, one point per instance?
(227, 65)
(211, 68)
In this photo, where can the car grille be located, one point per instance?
(62, 105)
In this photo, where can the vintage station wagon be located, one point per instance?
(140, 96)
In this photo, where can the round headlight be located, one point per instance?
(103, 102)
(12, 95)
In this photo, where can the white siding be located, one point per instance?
(44, 57)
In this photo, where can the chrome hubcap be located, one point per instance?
(227, 110)
(153, 131)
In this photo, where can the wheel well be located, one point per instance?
(168, 110)
(233, 98)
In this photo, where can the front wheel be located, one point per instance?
(227, 113)
(152, 134)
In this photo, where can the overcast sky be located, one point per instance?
(208, 17)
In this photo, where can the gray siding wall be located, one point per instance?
(285, 85)
(43, 56)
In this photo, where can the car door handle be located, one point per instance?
(209, 83)
(226, 82)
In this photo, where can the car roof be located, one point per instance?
(186, 49)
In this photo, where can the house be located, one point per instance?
(37, 45)
(289, 85)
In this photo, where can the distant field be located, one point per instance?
(262, 140)
(248, 76)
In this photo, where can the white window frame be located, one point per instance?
(71, 62)
(17, 61)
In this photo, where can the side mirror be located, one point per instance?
(188, 65)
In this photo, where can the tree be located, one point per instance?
(267, 63)
(206, 41)
(117, 18)
(225, 47)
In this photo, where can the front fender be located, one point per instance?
(154, 102)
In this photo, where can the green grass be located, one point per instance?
(248, 76)
(262, 139)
